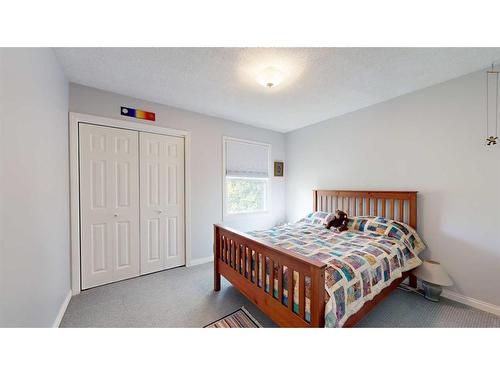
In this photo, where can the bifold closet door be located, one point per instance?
(109, 204)
(162, 202)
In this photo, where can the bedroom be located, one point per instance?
(213, 185)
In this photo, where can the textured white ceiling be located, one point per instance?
(320, 83)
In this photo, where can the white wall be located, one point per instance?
(431, 141)
(34, 242)
(206, 159)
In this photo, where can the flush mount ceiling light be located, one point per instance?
(270, 77)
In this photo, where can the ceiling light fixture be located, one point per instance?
(270, 77)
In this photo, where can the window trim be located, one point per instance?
(245, 215)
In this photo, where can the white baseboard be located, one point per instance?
(481, 305)
(195, 262)
(62, 310)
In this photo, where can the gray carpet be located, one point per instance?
(183, 297)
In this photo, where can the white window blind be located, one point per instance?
(245, 159)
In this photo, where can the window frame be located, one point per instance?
(228, 216)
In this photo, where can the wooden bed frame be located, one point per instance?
(233, 248)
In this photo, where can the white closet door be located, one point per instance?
(162, 202)
(109, 194)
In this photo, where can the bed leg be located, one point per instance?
(216, 279)
(412, 280)
(216, 260)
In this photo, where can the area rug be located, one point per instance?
(241, 318)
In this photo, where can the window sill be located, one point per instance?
(246, 215)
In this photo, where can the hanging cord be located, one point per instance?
(488, 73)
(496, 105)
(488, 102)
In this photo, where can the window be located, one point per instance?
(245, 195)
(246, 177)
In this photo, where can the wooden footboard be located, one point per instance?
(243, 261)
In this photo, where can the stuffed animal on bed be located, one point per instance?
(338, 221)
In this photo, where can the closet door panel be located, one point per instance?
(125, 204)
(109, 204)
(162, 202)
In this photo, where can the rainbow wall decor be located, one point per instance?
(137, 113)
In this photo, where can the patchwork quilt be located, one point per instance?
(360, 262)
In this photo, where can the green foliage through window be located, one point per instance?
(245, 195)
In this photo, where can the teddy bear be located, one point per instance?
(338, 221)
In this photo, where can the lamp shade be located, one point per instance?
(433, 272)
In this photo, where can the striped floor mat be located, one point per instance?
(241, 318)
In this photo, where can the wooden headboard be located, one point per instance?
(396, 205)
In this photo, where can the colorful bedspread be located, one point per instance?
(361, 261)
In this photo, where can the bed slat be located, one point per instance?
(248, 256)
(262, 271)
(223, 248)
(290, 287)
(233, 254)
(237, 258)
(271, 277)
(301, 296)
(242, 260)
(280, 283)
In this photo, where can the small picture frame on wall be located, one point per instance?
(279, 168)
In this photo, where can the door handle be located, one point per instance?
(159, 211)
(115, 215)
